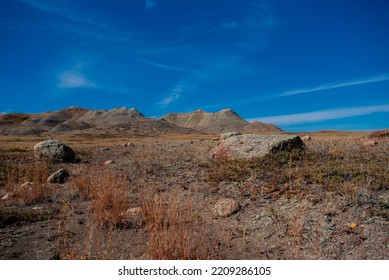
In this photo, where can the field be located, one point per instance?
(155, 197)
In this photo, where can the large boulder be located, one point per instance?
(253, 145)
(54, 150)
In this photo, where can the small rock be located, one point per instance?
(7, 196)
(105, 149)
(353, 226)
(108, 162)
(225, 207)
(133, 216)
(215, 139)
(27, 185)
(306, 138)
(58, 176)
(369, 143)
(136, 212)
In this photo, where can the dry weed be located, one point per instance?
(176, 230)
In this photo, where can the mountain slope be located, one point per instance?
(128, 122)
(223, 121)
(74, 120)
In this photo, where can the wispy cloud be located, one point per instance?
(173, 96)
(324, 115)
(64, 10)
(197, 78)
(74, 79)
(328, 86)
(160, 65)
(150, 4)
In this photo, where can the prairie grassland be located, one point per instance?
(156, 201)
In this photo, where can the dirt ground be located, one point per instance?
(155, 197)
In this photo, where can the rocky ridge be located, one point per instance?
(127, 121)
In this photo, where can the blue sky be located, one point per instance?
(300, 64)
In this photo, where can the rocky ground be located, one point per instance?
(166, 197)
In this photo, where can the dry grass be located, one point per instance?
(176, 229)
(28, 182)
(294, 205)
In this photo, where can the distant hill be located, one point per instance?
(223, 121)
(79, 120)
(126, 121)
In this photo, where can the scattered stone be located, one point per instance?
(215, 139)
(108, 162)
(105, 149)
(58, 176)
(225, 207)
(132, 216)
(253, 145)
(7, 196)
(227, 135)
(369, 143)
(54, 150)
(306, 138)
(27, 185)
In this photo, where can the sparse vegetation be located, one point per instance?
(155, 201)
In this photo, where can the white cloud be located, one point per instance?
(318, 116)
(74, 79)
(328, 86)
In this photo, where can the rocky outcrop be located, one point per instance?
(55, 151)
(253, 145)
(379, 133)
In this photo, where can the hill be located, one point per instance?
(80, 120)
(223, 121)
(127, 121)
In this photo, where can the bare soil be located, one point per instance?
(328, 201)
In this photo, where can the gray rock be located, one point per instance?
(54, 150)
(58, 176)
(225, 207)
(253, 145)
